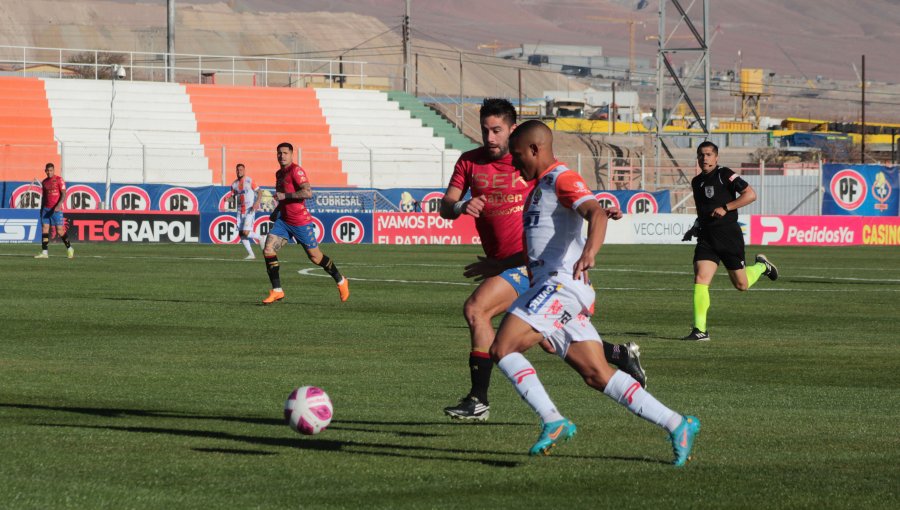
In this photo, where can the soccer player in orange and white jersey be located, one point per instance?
(53, 197)
(498, 198)
(557, 307)
(246, 197)
(293, 221)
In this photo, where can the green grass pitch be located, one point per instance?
(147, 376)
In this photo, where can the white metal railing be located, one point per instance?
(148, 66)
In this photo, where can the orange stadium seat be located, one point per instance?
(26, 130)
(251, 121)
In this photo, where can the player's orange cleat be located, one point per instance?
(274, 295)
(344, 289)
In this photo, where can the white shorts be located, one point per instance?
(559, 308)
(245, 221)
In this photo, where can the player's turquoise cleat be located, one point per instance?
(553, 433)
(683, 439)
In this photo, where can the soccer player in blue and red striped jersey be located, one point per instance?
(53, 197)
(246, 201)
(293, 221)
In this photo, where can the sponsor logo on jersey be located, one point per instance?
(542, 297)
(178, 200)
(131, 198)
(347, 230)
(83, 198)
(848, 188)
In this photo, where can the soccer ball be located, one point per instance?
(308, 410)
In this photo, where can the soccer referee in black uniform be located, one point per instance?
(718, 194)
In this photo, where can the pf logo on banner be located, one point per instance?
(131, 198)
(224, 230)
(607, 200)
(178, 200)
(848, 188)
(82, 198)
(26, 196)
(643, 203)
(431, 203)
(347, 230)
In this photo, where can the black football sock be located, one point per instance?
(45, 240)
(330, 268)
(65, 239)
(272, 269)
(480, 366)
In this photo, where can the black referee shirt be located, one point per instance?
(714, 190)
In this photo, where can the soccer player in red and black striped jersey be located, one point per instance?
(293, 221)
(498, 199)
(53, 197)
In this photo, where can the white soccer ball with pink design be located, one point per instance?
(308, 410)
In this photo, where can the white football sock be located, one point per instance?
(253, 235)
(520, 372)
(625, 390)
(246, 243)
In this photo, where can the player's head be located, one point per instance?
(285, 154)
(498, 120)
(50, 169)
(707, 156)
(531, 146)
(239, 170)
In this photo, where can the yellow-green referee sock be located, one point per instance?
(701, 305)
(754, 272)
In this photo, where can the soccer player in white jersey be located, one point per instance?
(245, 192)
(558, 305)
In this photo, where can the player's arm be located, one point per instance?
(255, 206)
(62, 199)
(745, 192)
(486, 267)
(453, 207)
(303, 192)
(597, 219)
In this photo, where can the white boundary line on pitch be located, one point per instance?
(309, 272)
(611, 270)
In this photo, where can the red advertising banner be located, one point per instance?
(423, 228)
(824, 230)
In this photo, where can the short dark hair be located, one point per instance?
(239, 165)
(500, 107)
(48, 166)
(285, 144)
(707, 143)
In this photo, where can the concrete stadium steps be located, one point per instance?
(26, 130)
(153, 127)
(380, 144)
(250, 122)
(431, 118)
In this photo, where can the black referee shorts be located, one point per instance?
(725, 244)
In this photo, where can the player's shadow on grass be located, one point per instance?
(350, 447)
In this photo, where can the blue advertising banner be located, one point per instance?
(860, 190)
(222, 227)
(19, 226)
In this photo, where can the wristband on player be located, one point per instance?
(460, 207)
(725, 206)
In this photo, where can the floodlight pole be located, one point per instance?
(170, 38)
(407, 51)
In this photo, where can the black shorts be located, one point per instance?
(725, 243)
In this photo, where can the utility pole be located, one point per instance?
(407, 60)
(862, 153)
(170, 57)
